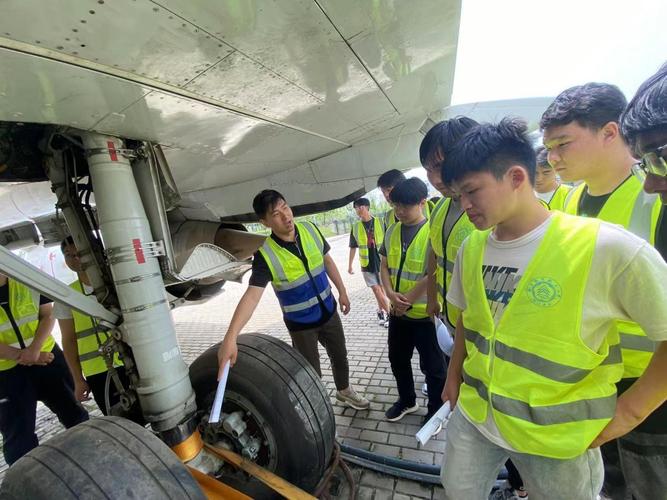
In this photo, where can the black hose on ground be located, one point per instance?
(405, 469)
(389, 461)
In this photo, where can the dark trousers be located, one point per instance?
(635, 466)
(404, 336)
(513, 476)
(20, 389)
(332, 338)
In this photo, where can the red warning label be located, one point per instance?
(138, 251)
(112, 151)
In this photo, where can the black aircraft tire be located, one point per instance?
(108, 457)
(289, 396)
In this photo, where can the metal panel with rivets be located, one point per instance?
(315, 97)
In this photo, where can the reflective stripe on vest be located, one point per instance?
(308, 303)
(20, 322)
(89, 337)
(26, 316)
(550, 395)
(413, 266)
(559, 413)
(389, 219)
(642, 221)
(450, 226)
(298, 292)
(361, 237)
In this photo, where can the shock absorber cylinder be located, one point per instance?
(164, 388)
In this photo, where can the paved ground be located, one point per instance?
(200, 326)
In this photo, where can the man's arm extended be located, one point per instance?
(455, 370)
(71, 352)
(228, 350)
(334, 276)
(639, 291)
(353, 252)
(432, 305)
(640, 400)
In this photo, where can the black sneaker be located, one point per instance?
(398, 410)
(381, 318)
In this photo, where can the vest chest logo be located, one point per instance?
(544, 292)
(460, 235)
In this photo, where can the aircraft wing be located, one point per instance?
(314, 98)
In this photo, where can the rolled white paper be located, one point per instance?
(219, 396)
(426, 432)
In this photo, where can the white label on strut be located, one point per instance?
(171, 354)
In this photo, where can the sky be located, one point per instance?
(533, 48)
(510, 49)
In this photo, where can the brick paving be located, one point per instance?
(200, 326)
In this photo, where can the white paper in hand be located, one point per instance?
(426, 432)
(445, 340)
(219, 396)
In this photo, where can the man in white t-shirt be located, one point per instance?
(537, 353)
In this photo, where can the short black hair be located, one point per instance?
(491, 148)
(266, 200)
(361, 202)
(648, 108)
(411, 191)
(390, 178)
(542, 156)
(591, 105)
(66, 242)
(442, 136)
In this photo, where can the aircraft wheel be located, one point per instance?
(282, 416)
(108, 457)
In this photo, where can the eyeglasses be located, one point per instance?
(652, 162)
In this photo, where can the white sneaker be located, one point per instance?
(351, 398)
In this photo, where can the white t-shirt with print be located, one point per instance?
(545, 197)
(627, 281)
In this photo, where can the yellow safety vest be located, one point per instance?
(557, 201)
(445, 245)
(89, 337)
(407, 267)
(26, 316)
(297, 286)
(638, 212)
(549, 394)
(359, 233)
(390, 217)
